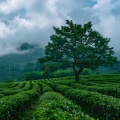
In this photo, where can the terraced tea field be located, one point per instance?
(93, 98)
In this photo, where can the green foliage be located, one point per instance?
(78, 46)
(5, 84)
(12, 65)
(27, 86)
(86, 71)
(29, 67)
(11, 106)
(16, 96)
(9, 72)
(112, 91)
(26, 46)
(98, 105)
(115, 69)
(1, 95)
(54, 106)
(12, 90)
(63, 73)
(35, 75)
(51, 67)
(45, 88)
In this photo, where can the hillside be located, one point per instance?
(22, 59)
(12, 65)
(94, 97)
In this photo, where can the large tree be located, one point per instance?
(78, 46)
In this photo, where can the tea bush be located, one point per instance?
(98, 105)
(54, 106)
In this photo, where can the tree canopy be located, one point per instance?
(78, 46)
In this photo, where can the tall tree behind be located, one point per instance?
(78, 46)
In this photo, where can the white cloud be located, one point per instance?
(9, 48)
(109, 21)
(22, 22)
(104, 7)
(34, 25)
(32, 20)
(4, 30)
(10, 6)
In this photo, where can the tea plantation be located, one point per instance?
(95, 97)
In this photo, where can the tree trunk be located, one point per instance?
(77, 78)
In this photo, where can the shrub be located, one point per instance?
(54, 106)
(98, 105)
(10, 106)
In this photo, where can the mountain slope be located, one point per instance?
(22, 59)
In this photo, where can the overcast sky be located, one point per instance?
(32, 20)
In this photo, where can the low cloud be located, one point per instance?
(32, 20)
(34, 26)
(108, 21)
(10, 6)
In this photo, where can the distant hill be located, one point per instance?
(12, 65)
(118, 55)
(21, 59)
